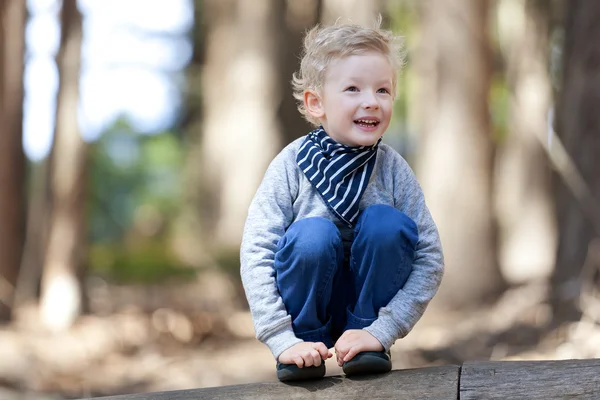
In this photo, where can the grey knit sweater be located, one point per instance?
(285, 196)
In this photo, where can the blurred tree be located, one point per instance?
(578, 127)
(403, 16)
(188, 224)
(362, 12)
(455, 164)
(240, 133)
(61, 297)
(12, 159)
(523, 175)
(299, 15)
(38, 210)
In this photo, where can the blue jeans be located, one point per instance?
(328, 291)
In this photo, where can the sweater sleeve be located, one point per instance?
(398, 318)
(269, 215)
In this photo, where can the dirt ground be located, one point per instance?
(200, 335)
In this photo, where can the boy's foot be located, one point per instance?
(368, 362)
(291, 372)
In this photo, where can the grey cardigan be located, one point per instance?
(285, 196)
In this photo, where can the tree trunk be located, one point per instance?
(61, 288)
(188, 236)
(523, 176)
(456, 152)
(578, 127)
(299, 16)
(12, 158)
(36, 235)
(241, 133)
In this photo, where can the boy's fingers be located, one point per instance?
(316, 356)
(308, 359)
(313, 358)
(322, 349)
(340, 356)
(341, 350)
(354, 350)
(299, 361)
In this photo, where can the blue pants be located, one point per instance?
(326, 291)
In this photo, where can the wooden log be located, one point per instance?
(431, 383)
(567, 379)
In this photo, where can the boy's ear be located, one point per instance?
(313, 105)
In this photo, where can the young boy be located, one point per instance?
(339, 249)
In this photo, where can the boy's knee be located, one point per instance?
(385, 224)
(314, 237)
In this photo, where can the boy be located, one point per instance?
(339, 249)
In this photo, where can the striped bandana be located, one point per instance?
(339, 173)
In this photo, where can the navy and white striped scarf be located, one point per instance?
(339, 173)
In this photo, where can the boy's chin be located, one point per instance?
(357, 139)
(365, 141)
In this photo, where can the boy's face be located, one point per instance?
(355, 102)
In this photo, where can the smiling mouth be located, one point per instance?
(370, 123)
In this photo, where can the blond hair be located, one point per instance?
(325, 44)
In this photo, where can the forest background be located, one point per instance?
(134, 134)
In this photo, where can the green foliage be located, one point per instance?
(401, 19)
(228, 261)
(146, 262)
(499, 102)
(135, 192)
(128, 171)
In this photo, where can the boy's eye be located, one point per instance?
(352, 89)
(383, 90)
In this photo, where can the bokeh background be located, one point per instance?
(134, 133)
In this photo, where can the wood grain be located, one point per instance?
(568, 379)
(431, 383)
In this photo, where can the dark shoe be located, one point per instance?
(368, 362)
(291, 372)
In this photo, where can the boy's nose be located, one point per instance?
(370, 102)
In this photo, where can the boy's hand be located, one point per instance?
(355, 341)
(305, 354)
